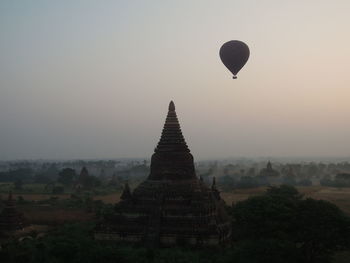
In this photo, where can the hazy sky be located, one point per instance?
(93, 79)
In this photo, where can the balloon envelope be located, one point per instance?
(234, 54)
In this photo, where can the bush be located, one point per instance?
(58, 190)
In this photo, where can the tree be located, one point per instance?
(247, 182)
(42, 178)
(321, 229)
(90, 182)
(66, 176)
(226, 182)
(315, 229)
(286, 192)
(265, 250)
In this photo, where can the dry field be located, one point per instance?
(110, 198)
(48, 215)
(37, 197)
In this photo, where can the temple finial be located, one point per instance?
(171, 106)
(171, 139)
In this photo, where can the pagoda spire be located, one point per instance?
(171, 106)
(172, 159)
(172, 139)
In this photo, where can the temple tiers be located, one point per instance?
(172, 206)
(10, 218)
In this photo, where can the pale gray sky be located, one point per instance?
(92, 79)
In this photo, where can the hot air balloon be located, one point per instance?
(234, 54)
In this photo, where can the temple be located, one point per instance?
(172, 206)
(10, 219)
(271, 175)
(269, 171)
(81, 181)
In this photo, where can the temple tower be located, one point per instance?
(172, 206)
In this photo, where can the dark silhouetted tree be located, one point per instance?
(314, 229)
(66, 176)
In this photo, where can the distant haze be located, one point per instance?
(93, 79)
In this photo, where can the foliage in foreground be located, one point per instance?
(279, 226)
(74, 243)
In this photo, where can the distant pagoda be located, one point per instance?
(10, 218)
(269, 171)
(172, 206)
(82, 178)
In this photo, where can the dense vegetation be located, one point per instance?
(278, 226)
(340, 180)
(281, 226)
